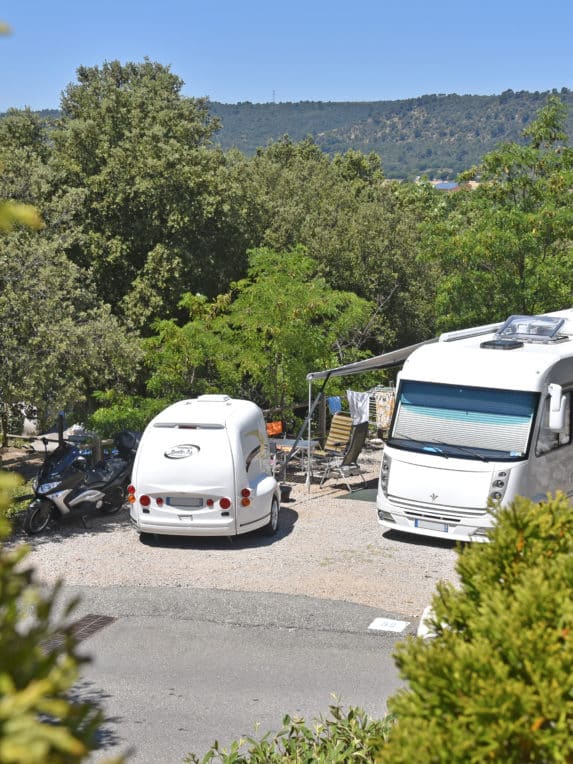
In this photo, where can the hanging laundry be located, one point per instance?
(334, 403)
(358, 404)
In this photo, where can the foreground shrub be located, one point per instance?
(38, 666)
(496, 683)
(343, 737)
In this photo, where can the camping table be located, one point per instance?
(284, 447)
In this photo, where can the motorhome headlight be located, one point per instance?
(498, 485)
(386, 516)
(385, 473)
(46, 487)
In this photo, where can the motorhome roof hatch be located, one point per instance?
(520, 329)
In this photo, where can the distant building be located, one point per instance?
(445, 185)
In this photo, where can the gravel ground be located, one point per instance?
(328, 546)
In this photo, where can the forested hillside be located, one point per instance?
(435, 135)
(439, 136)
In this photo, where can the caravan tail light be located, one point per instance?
(224, 503)
(159, 501)
(245, 493)
(144, 500)
(209, 502)
(131, 494)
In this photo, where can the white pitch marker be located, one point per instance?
(388, 624)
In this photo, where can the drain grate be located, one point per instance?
(81, 629)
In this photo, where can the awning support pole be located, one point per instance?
(306, 425)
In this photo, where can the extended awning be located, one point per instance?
(384, 361)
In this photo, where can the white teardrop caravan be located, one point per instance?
(203, 468)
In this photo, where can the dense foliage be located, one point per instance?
(496, 683)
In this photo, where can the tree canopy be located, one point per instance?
(506, 247)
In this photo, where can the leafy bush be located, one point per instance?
(496, 683)
(342, 738)
(38, 666)
(124, 413)
(17, 497)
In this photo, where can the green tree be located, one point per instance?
(361, 230)
(22, 152)
(57, 341)
(507, 246)
(260, 339)
(137, 152)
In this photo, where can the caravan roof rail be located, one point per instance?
(472, 331)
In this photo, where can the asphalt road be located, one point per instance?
(179, 668)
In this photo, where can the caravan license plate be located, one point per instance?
(184, 501)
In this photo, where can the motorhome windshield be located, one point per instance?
(463, 422)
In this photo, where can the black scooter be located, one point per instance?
(67, 482)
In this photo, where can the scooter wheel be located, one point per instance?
(38, 516)
(113, 503)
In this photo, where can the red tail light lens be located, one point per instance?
(246, 492)
(131, 489)
(145, 501)
(224, 503)
(159, 501)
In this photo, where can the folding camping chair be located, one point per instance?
(337, 438)
(336, 441)
(346, 466)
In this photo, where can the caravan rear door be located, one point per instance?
(189, 475)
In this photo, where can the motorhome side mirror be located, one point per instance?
(556, 408)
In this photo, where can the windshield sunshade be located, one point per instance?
(489, 422)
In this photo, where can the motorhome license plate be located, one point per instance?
(431, 526)
(185, 501)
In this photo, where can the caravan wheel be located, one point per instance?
(273, 525)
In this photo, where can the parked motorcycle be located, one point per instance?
(67, 481)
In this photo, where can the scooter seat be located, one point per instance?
(106, 471)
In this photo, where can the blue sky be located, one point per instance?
(260, 50)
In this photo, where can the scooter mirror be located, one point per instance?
(80, 463)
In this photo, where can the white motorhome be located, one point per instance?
(203, 468)
(481, 415)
